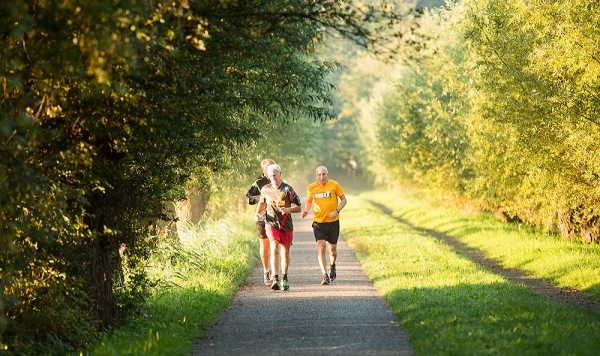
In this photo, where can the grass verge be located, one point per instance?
(452, 306)
(197, 282)
(568, 264)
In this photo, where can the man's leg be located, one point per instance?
(274, 242)
(275, 263)
(275, 257)
(264, 258)
(263, 240)
(285, 243)
(285, 259)
(264, 253)
(332, 258)
(333, 234)
(285, 264)
(332, 253)
(321, 246)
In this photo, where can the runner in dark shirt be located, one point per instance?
(253, 197)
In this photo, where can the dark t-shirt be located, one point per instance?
(253, 194)
(284, 195)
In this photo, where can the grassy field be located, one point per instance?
(452, 306)
(198, 280)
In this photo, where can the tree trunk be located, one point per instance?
(193, 208)
(102, 284)
(590, 229)
(102, 264)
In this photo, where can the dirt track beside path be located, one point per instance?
(536, 284)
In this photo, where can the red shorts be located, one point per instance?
(284, 237)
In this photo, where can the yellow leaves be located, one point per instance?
(196, 42)
(108, 231)
(592, 71)
(171, 35)
(199, 31)
(53, 111)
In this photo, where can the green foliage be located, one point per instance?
(195, 279)
(345, 145)
(420, 119)
(341, 147)
(111, 110)
(420, 131)
(568, 264)
(550, 151)
(500, 110)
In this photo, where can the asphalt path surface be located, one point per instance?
(347, 317)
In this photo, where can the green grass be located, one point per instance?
(197, 282)
(452, 306)
(569, 264)
(448, 304)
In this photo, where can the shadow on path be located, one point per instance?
(348, 317)
(515, 275)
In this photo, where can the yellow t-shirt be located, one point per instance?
(325, 199)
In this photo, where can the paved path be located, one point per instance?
(348, 317)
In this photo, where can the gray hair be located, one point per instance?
(323, 167)
(275, 166)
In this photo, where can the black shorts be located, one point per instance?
(328, 231)
(260, 228)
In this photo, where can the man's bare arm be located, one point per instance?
(307, 209)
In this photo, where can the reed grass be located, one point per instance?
(197, 278)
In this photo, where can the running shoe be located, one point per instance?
(331, 272)
(267, 278)
(286, 285)
(275, 284)
(326, 280)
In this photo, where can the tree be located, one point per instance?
(504, 113)
(533, 64)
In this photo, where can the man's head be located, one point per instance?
(274, 174)
(264, 164)
(322, 175)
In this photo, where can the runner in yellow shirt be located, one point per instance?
(324, 193)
